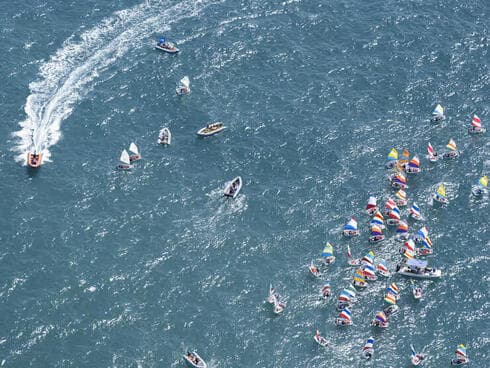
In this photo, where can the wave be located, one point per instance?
(71, 72)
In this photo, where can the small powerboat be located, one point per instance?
(194, 360)
(126, 163)
(135, 153)
(166, 46)
(183, 87)
(418, 269)
(320, 340)
(233, 187)
(164, 136)
(417, 292)
(211, 129)
(391, 310)
(34, 160)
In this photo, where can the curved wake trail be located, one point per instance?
(70, 73)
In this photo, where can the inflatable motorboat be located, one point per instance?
(164, 136)
(166, 46)
(34, 160)
(233, 187)
(194, 360)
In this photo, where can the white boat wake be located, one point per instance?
(72, 71)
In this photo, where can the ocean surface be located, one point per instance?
(100, 268)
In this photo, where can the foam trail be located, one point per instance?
(70, 73)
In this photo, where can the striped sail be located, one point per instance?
(452, 145)
(351, 225)
(372, 202)
(414, 162)
(390, 298)
(390, 204)
(461, 351)
(393, 155)
(402, 227)
(415, 210)
(401, 194)
(381, 316)
(378, 219)
(430, 150)
(394, 214)
(376, 230)
(441, 191)
(369, 344)
(393, 289)
(405, 155)
(368, 258)
(382, 267)
(368, 271)
(423, 232)
(426, 242)
(345, 314)
(328, 250)
(476, 122)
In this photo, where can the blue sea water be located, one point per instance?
(100, 268)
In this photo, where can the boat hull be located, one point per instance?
(173, 50)
(233, 187)
(164, 137)
(376, 238)
(200, 364)
(407, 272)
(124, 167)
(33, 161)
(477, 131)
(351, 232)
(451, 154)
(207, 132)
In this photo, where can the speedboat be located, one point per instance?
(418, 269)
(314, 270)
(126, 163)
(194, 360)
(233, 187)
(211, 129)
(183, 87)
(416, 358)
(320, 340)
(164, 137)
(34, 160)
(166, 46)
(135, 153)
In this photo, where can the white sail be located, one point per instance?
(184, 82)
(125, 157)
(133, 148)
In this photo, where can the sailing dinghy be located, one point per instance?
(376, 234)
(183, 87)
(413, 165)
(126, 162)
(453, 150)
(320, 340)
(352, 261)
(135, 152)
(402, 231)
(461, 356)
(351, 228)
(416, 358)
(325, 291)
(401, 198)
(382, 269)
(481, 187)
(415, 212)
(344, 318)
(392, 159)
(433, 155)
(440, 195)
(380, 320)
(164, 136)
(314, 270)
(438, 114)
(371, 207)
(476, 127)
(233, 187)
(368, 349)
(327, 254)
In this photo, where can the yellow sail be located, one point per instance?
(441, 190)
(484, 181)
(451, 145)
(393, 154)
